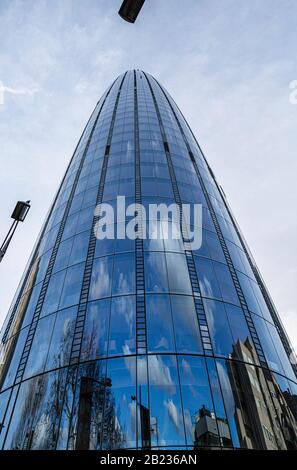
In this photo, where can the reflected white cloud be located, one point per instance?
(160, 374)
(174, 414)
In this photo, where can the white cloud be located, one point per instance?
(15, 91)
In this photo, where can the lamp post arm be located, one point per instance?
(8, 239)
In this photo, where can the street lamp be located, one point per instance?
(130, 9)
(19, 214)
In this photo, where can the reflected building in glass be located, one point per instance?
(145, 343)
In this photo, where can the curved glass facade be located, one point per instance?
(145, 343)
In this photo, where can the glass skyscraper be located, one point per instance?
(145, 343)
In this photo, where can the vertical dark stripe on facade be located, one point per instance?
(202, 320)
(143, 435)
(141, 330)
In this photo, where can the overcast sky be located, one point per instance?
(227, 63)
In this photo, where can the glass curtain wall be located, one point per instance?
(121, 343)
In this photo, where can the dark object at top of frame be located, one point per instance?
(130, 9)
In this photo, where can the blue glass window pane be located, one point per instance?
(199, 416)
(281, 352)
(81, 185)
(72, 286)
(49, 239)
(165, 406)
(147, 187)
(95, 336)
(187, 336)
(180, 284)
(261, 302)
(172, 237)
(113, 173)
(155, 272)
(238, 325)
(226, 283)
(231, 400)
(219, 406)
(70, 226)
(122, 335)
(267, 344)
(203, 250)
(159, 324)
(52, 297)
(92, 180)
(164, 188)
(228, 230)
(207, 279)
(285, 390)
(63, 254)
(124, 244)
(33, 298)
(247, 290)
(23, 408)
(234, 253)
(58, 214)
(126, 188)
(220, 333)
(90, 197)
(160, 214)
(246, 265)
(62, 337)
(85, 220)
(123, 274)
(14, 362)
(104, 247)
(39, 404)
(120, 406)
(154, 239)
(42, 266)
(101, 278)
(5, 420)
(76, 203)
(214, 246)
(40, 345)
(291, 393)
(110, 191)
(79, 248)
(207, 220)
(4, 401)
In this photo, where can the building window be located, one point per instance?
(101, 278)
